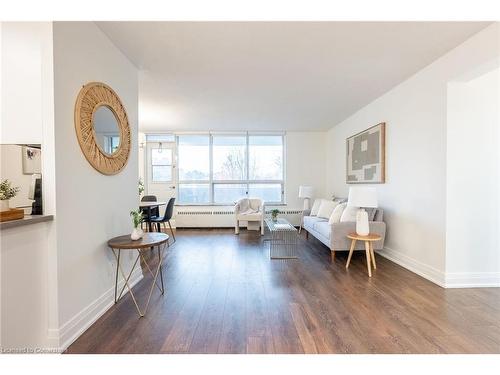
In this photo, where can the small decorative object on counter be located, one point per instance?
(6, 193)
(137, 219)
(274, 214)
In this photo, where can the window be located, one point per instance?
(194, 169)
(265, 158)
(161, 165)
(220, 169)
(111, 143)
(229, 158)
(164, 138)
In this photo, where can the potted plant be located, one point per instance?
(141, 187)
(137, 219)
(274, 214)
(7, 192)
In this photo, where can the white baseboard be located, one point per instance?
(445, 280)
(473, 280)
(79, 323)
(421, 269)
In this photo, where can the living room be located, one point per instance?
(247, 187)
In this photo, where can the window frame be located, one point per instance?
(211, 182)
(172, 166)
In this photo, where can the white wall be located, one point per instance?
(305, 165)
(91, 207)
(28, 292)
(24, 293)
(472, 209)
(22, 90)
(414, 195)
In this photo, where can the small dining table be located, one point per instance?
(150, 206)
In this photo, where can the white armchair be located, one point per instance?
(251, 210)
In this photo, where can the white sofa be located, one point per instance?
(335, 235)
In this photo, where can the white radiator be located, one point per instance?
(192, 217)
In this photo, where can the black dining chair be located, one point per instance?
(155, 211)
(169, 211)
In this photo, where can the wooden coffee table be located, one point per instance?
(370, 255)
(148, 242)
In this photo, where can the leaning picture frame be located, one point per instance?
(32, 160)
(365, 156)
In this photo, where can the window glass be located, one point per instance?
(194, 193)
(265, 157)
(160, 138)
(194, 158)
(229, 158)
(161, 165)
(229, 193)
(269, 193)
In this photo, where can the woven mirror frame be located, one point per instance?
(92, 96)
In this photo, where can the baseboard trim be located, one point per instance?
(427, 272)
(473, 280)
(79, 323)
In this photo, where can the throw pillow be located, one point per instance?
(337, 213)
(371, 213)
(315, 207)
(349, 214)
(326, 208)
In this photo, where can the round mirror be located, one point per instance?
(107, 130)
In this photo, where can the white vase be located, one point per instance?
(362, 225)
(4, 205)
(137, 234)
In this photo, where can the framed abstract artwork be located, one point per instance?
(365, 155)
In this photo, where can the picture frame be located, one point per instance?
(365, 156)
(32, 160)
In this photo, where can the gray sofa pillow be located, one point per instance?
(371, 213)
(379, 215)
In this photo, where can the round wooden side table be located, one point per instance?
(370, 255)
(148, 242)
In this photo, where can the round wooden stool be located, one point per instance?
(369, 239)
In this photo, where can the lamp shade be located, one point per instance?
(305, 191)
(362, 197)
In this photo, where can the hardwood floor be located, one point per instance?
(224, 295)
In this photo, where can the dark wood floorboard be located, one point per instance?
(224, 295)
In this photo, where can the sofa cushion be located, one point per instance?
(349, 214)
(337, 213)
(310, 221)
(326, 208)
(315, 207)
(379, 215)
(323, 228)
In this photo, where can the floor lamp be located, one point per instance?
(305, 192)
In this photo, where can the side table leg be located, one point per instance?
(129, 288)
(351, 250)
(117, 267)
(160, 261)
(372, 255)
(154, 281)
(367, 248)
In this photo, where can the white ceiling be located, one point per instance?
(273, 75)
